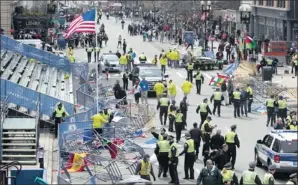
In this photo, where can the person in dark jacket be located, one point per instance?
(222, 156)
(230, 89)
(184, 108)
(224, 91)
(118, 54)
(117, 89)
(217, 140)
(196, 135)
(278, 125)
(209, 175)
(243, 102)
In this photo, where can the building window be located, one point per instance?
(261, 2)
(281, 3)
(270, 2)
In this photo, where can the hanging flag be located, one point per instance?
(84, 23)
(217, 81)
(204, 16)
(250, 43)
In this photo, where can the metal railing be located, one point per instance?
(3, 114)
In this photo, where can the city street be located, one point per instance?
(249, 129)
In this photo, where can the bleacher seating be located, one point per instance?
(37, 76)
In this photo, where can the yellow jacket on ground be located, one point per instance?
(186, 87)
(172, 89)
(159, 88)
(123, 60)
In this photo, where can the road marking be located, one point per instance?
(208, 76)
(179, 74)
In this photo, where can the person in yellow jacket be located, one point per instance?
(155, 60)
(169, 57)
(58, 116)
(97, 121)
(163, 62)
(144, 168)
(159, 89)
(228, 175)
(186, 87)
(70, 51)
(71, 58)
(176, 58)
(172, 90)
(123, 62)
(268, 177)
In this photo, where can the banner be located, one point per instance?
(28, 98)
(189, 37)
(83, 116)
(80, 69)
(37, 54)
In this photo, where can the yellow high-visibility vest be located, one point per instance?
(249, 177)
(199, 76)
(267, 177)
(160, 137)
(282, 104)
(174, 145)
(164, 146)
(191, 146)
(249, 90)
(270, 103)
(293, 127)
(164, 102)
(98, 120)
(145, 168)
(163, 61)
(227, 175)
(236, 95)
(59, 112)
(190, 66)
(179, 117)
(203, 107)
(217, 96)
(230, 137)
(171, 112)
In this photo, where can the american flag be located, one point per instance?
(83, 23)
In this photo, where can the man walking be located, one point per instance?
(144, 90)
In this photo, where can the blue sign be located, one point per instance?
(37, 54)
(189, 37)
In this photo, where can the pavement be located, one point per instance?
(249, 129)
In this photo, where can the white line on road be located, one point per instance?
(179, 74)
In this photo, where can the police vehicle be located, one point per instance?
(278, 148)
(152, 74)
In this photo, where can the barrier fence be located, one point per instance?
(35, 53)
(28, 98)
(3, 113)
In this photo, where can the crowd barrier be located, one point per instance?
(83, 95)
(35, 53)
(230, 68)
(29, 98)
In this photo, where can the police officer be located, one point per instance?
(196, 135)
(282, 109)
(204, 110)
(250, 176)
(96, 53)
(218, 98)
(97, 122)
(89, 51)
(228, 175)
(206, 131)
(236, 101)
(142, 58)
(189, 150)
(293, 179)
(232, 140)
(162, 152)
(250, 92)
(199, 80)
(173, 160)
(270, 104)
(179, 124)
(163, 104)
(268, 177)
(189, 71)
(293, 126)
(184, 109)
(172, 114)
(58, 115)
(144, 168)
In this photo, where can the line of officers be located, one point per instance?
(168, 157)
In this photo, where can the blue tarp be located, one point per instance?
(37, 54)
(230, 68)
(28, 98)
(151, 141)
(189, 37)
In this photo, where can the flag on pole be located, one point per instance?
(250, 43)
(217, 81)
(84, 23)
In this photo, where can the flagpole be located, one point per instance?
(97, 75)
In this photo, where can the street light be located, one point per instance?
(206, 9)
(245, 15)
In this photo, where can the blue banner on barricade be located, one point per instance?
(37, 54)
(48, 104)
(28, 98)
(83, 116)
(80, 69)
(20, 95)
(69, 127)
